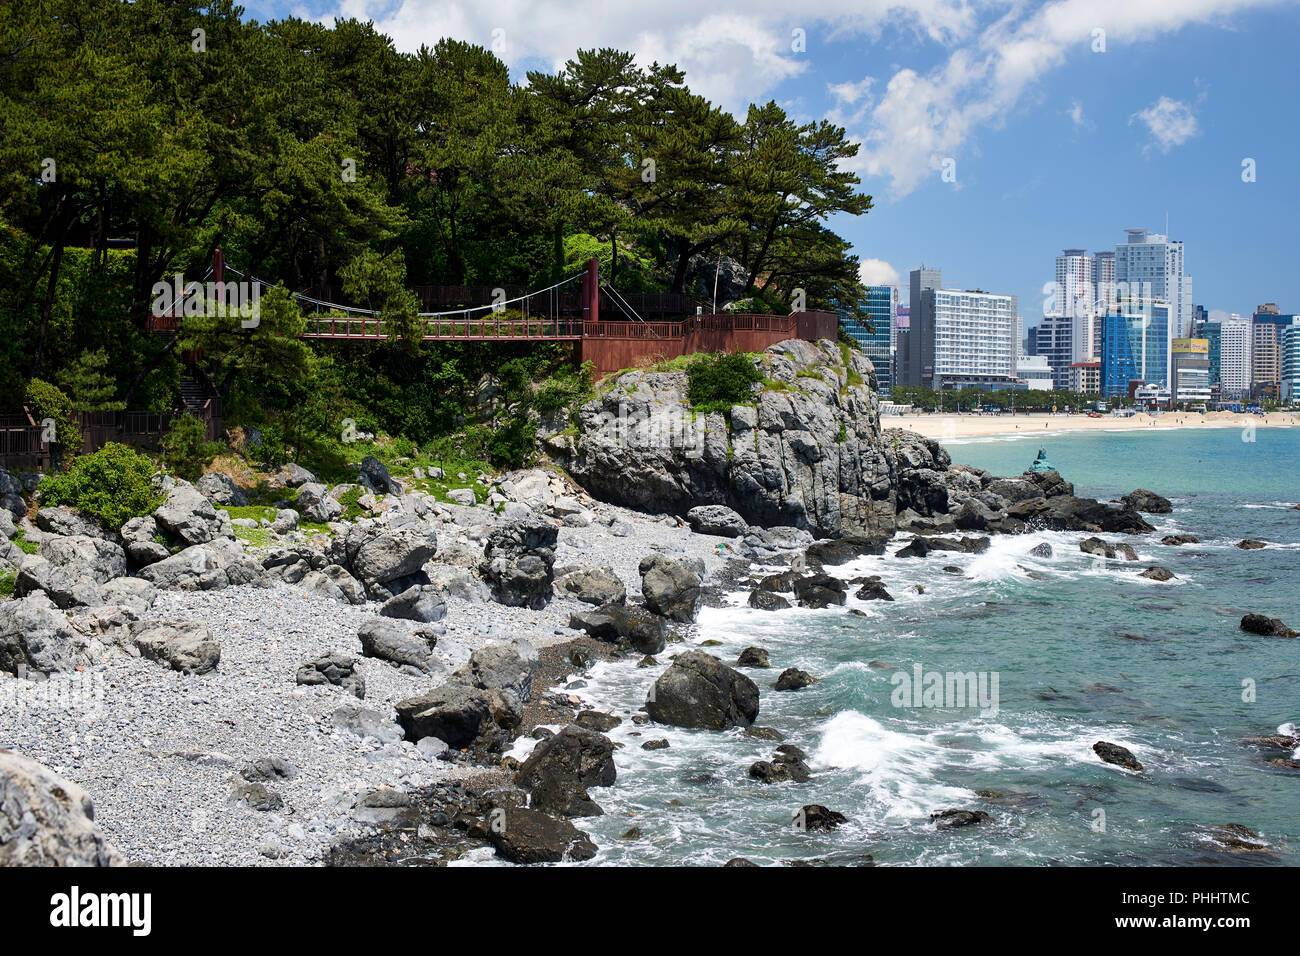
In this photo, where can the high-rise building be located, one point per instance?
(1103, 281)
(1054, 339)
(1075, 298)
(874, 337)
(1190, 376)
(974, 337)
(1289, 388)
(1212, 332)
(1267, 325)
(1234, 356)
(919, 361)
(1085, 377)
(1135, 346)
(1151, 266)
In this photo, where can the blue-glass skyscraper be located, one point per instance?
(879, 304)
(1135, 347)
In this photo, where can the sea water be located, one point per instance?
(1082, 649)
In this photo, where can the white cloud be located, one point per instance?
(1075, 112)
(1171, 123)
(740, 51)
(733, 51)
(877, 272)
(922, 118)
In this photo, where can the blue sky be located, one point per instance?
(1053, 143)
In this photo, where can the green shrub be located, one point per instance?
(513, 444)
(113, 484)
(49, 403)
(186, 449)
(351, 510)
(720, 381)
(565, 389)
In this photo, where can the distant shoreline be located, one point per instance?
(954, 425)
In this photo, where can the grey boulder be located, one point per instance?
(698, 690)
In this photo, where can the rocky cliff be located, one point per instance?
(807, 451)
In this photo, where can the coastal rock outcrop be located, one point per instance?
(808, 452)
(562, 767)
(698, 690)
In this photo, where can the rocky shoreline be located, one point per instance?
(400, 691)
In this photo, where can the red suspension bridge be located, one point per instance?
(643, 328)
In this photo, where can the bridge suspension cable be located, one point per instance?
(494, 307)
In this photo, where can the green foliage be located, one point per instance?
(48, 403)
(7, 579)
(566, 388)
(185, 447)
(112, 484)
(351, 510)
(513, 444)
(722, 380)
(25, 546)
(89, 384)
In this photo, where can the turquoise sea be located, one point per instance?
(1083, 650)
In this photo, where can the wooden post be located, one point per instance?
(591, 286)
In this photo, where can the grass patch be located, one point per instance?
(25, 546)
(7, 579)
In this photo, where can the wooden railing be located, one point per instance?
(22, 444)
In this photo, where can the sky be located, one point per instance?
(993, 133)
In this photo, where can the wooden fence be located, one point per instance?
(23, 444)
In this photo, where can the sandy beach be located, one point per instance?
(949, 425)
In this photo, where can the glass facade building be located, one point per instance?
(1135, 347)
(879, 304)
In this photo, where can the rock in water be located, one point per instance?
(1114, 753)
(562, 767)
(767, 601)
(1251, 544)
(753, 657)
(698, 690)
(794, 679)
(670, 588)
(816, 817)
(46, 820)
(1267, 626)
(949, 819)
(1148, 501)
(1157, 573)
(527, 836)
(644, 632)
